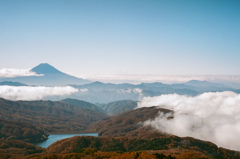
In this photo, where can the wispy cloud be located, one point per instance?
(210, 116)
(12, 72)
(83, 90)
(131, 90)
(34, 93)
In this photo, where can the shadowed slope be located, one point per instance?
(82, 104)
(53, 116)
(128, 124)
(21, 131)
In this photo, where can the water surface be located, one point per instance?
(55, 137)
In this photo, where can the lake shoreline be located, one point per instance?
(59, 136)
(72, 132)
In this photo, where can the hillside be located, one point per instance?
(121, 136)
(82, 104)
(17, 149)
(52, 116)
(126, 133)
(128, 124)
(21, 131)
(50, 77)
(118, 107)
(16, 138)
(176, 146)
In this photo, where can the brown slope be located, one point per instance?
(128, 124)
(21, 131)
(173, 145)
(53, 116)
(16, 149)
(123, 126)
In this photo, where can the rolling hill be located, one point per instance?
(24, 131)
(128, 124)
(171, 147)
(82, 104)
(51, 116)
(125, 136)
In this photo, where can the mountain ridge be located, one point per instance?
(52, 116)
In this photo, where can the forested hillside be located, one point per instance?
(52, 116)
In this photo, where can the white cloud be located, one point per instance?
(134, 91)
(83, 90)
(125, 90)
(129, 90)
(137, 90)
(210, 116)
(6, 72)
(34, 93)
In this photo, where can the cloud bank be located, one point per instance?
(6, 73)
(168, 79)
(34, 93)
(213, 117)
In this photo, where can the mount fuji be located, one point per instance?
(50, 76)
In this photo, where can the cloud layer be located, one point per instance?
(169, 79)
(210, 116)
(12, 72)
(34, 93)
(83, 90)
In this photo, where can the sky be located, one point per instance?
(88, 38)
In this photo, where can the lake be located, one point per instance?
(55, 137)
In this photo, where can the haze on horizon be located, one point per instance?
(122, 37)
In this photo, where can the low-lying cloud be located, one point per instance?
(132, 90)
(213, 117)
(83, 90)
(6, 73)
(34, 93)
(168, 79)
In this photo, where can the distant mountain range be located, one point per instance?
(119, 125)
(98, 92)
(10, 83)
(51, 77)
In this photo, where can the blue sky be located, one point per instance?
(144, 37)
